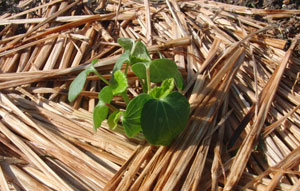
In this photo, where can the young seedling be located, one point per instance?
(160, 113)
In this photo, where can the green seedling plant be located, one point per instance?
(160, 112)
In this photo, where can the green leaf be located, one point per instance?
(78, 83)
(166, 87)
(140, 70)
(163, 119)
(179, 80)
(119, 84)
(140, 54)
(126, 43)
(132, 117)
(101, 110)
(99, 114)
(106, 94)
(161, 69)
(113, 119)
(121, 60)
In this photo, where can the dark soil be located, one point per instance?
(287, 28)
(12, 5)
(265, 4)
(9, 6)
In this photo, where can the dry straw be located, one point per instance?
(241, 82)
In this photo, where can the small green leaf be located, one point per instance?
(132, 117)
(106, 94)
(113, 119)
(77, 86)
(101, 110)
(140, 54)
(126, 43)
(121, 60)
(78, 83)
(99, 114)
(166, 87)
(161, 69)
(139, 69)
(179, 80)
(120, 83)
(163, 119)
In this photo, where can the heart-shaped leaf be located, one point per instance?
(99, 114)
(113, 119)
(179, 80)
(101, 110)
(132, 117)
(126, 43)
(161, 69)
(78, 83)
(163, 119)
(166, 87)
(105, 94)
(140, 70)
(139, 54)
(119, 84)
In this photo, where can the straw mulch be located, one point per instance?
(242, 82)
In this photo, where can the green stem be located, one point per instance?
(133, 47)
(148, 79)
(126, 69)
(111, 107)
(101, 77)
(143, 85)
(124, 94)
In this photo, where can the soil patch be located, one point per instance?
(266, 4)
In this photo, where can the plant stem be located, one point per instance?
(143, 85)
(101, 77)
(111, 107)
(148, 79)
(126, 69)
(133, 47)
